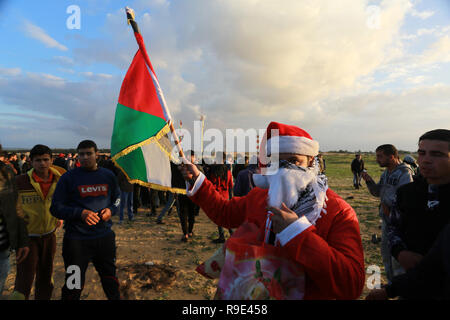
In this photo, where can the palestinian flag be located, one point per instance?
(140, 144)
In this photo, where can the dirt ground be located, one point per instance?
(152, 262)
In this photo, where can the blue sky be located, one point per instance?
(355, 73)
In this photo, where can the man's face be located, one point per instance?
(382, 159)
(192, 158)
(41, 163)
(88, 158)
(297, 159)
(434, 161)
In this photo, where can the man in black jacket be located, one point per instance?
(430, 279)
(422, 207)
(357, 168)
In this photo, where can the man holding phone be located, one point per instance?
(86, 198)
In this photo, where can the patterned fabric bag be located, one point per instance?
(254, 270)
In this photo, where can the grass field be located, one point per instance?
(172, 274)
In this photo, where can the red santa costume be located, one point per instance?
(325, 243)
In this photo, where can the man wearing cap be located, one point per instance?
(294, 210)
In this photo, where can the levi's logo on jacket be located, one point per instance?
(94, 190)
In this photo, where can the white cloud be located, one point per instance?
(416, 79)
(368, 120)
(63, 61)
(10, 71)
(245, 63)
(66, 70)
(84, 109)
(422, 14)
(96, 76)
(39, 34)
(277, 55)
(439, 51)
(263, 60)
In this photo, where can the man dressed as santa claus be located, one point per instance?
(296, 238)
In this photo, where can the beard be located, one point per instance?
(286, 185)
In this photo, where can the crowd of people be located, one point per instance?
(291, 216)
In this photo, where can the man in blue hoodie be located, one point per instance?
(86, 198)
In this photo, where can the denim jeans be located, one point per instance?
(170, 202)
(356, 179)
(126, 199)
(4, 268)
(391, 266)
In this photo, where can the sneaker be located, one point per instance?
(184, 238)
(191, 235)
(218, 240)
(376, 239)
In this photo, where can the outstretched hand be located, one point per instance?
(189, 170)
(366, 176)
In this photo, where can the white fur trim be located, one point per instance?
(198, 183)
(293, 230)
(298, 145)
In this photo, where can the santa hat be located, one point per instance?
(291, 139)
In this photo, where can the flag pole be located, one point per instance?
(202, 118)
(130, 20)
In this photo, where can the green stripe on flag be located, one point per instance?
(132, 127)
(134, 165)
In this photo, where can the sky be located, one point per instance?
(355, 74)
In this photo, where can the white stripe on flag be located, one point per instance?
(160, 95)
(157, 164)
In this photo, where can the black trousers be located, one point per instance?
(186, 213)
(102, 253)
(137, 203)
